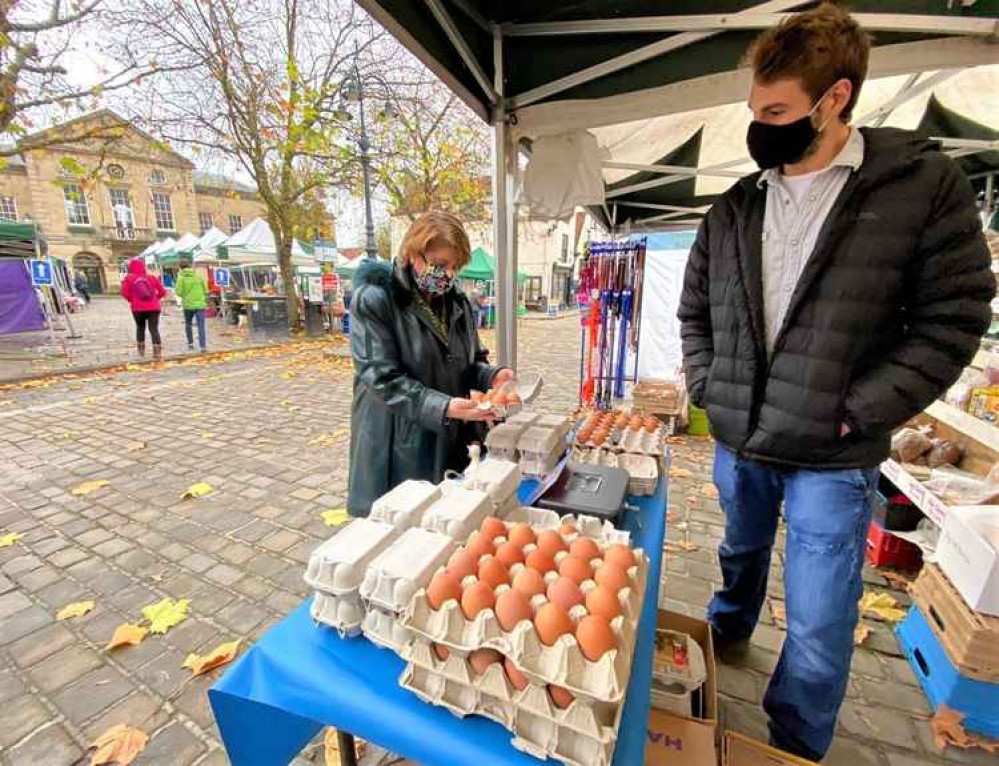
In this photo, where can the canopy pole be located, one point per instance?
(504, 219)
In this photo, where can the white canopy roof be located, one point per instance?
(205, 251)
(254, 243)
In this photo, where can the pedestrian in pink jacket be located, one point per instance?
(143, 292)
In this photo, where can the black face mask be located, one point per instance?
(773, 145)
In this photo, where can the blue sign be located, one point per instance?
(221, 277)
(41, 273)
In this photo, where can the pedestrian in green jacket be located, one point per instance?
(192, 289)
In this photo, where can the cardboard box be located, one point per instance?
(740, 750)
(968, 556)
(673, 739)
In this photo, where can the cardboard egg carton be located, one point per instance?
(562, 664)
(540, 519)
(559, 424)
(523, 419)
(404, 505)
(642, 442)
(594, 456)
(498, 478)
(345, 613)
(504, 437)
(643, 471)
(337, 566)
(458, 512)
(540, 442)
(384, 629)
(404, 567)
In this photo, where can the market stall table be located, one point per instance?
(299, 677)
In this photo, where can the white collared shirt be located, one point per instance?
(796, 209)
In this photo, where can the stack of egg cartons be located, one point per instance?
(548, 655)
(541, 447)
(501, 441)
(500, 479)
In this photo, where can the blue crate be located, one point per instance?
(941, 681)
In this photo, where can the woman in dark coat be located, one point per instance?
(417, 357)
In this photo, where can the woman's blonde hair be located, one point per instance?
(433, 230)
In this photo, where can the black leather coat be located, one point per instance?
(405, 373)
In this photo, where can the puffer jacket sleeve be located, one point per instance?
(947, 310)
(376, 362)
(695, 315)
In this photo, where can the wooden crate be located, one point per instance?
(971, 639)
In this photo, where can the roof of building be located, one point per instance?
(219, 181)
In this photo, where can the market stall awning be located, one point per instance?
(482, 268)
(254, 243)
(940, 121)
(17, 240)
(206, 251)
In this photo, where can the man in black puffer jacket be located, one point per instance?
(827, 300)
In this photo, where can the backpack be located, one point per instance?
(143, 290)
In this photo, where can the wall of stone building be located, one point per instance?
(14, 183)
(223, 204)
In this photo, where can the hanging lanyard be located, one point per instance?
(431, 315)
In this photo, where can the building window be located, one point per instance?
(235, 223)
(121, 209)
(157, 177)
(8, 209)
(75, 202)
(164, 214)
(205, 221)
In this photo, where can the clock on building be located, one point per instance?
(116, 171)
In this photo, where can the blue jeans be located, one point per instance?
(827, 514)
(189, 315)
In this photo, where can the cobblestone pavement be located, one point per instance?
(267, 429)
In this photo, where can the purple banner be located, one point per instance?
(19, 309)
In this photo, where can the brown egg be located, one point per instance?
(461, 564)
(481, 659)
(551, 542)
(599, 438)
(621, 555)
(480, 545)
(565, 592)
(510, 554)
(444, 587)
(492, 572)
(585, 547)
(529, 582)
(512, 606)
(552, 621)
(651, 428)
(611, 576)
(521, 534)
(501, 399)
(602, 601)
(540, 560)
(514, 399)
(567, 529)
(621, 422)
(576, 568)
(441, 651)
(595, 637)
(476, 396)
(560, 696)
(492, 527)
(477, 597)
(518, 679)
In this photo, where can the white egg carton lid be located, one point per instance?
(384, 629)
(562, 664)
(404, 567)
(540, 519)
(499, 478)
(539, 441)
(504, 436)
(531, 465)
(501, 453)
(560, 424)
(403, 505)
(642, 442)
(523, 419)
(345, 613)
(594, 456)
(458, 513)
(337, 566)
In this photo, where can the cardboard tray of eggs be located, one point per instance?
(618, 431)
(343, 613)
(546, 721)
(562, 607)
(404, 505)
(502, 400)
(500, 479)
(404, 567)
(458, 512)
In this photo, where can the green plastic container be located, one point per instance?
(697, 424)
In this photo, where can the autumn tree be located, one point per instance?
(263, 89)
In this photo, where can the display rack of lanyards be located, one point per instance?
(610, 302)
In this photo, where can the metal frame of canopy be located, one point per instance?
(612, 77)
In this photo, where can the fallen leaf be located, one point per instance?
(948, 730)
(709, 491)
(118, 745)
(207, 435)
(335, 517)
(223, 654)
(6, 402)
(330, 440)
(69, 435)
(166, 613)
(196, 415)
(197, 490)
(860, 634)
(682, 545)
(900, 582)
(90, 400)
(76, 609)
(777, 610)
(9, 539)
(680, 473)
(127, 634)
(882, 606)
(88, 486)
(138, 446)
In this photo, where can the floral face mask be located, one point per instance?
(434, 280)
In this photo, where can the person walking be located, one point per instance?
(144, 292)
(81, 287)
(192, 289)
(827, 299)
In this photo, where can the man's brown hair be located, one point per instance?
(817, 47)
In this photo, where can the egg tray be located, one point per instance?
(384, 629)
(504, 436)
(539, 519)
(537, 441)
(500, 479)
(457, 513)
(404, 505)
(500, 453)
(562, 664)
(539, 464)
(523, 419)
(642, 442)
(582, 734)
(594, 456)
(344, 613)
(643, 470)
(404, 567)
(337, 566)
(560, 424)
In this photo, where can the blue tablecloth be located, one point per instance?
(299, 677)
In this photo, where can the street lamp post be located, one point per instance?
(370, 247)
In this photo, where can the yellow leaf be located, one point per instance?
(68, 435)
(137, 446)
(127, 634)
(6, 402)
(76, 609)
(90, 400)
(680, 473)
(164, 614)
(860, 634)
(223, 654)
(709, 491)
(9, 539)
(196, 415)
(335, 517)
(881, 605)
(88, 486)
(118, 745)
(197, 490)
(207, 435)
